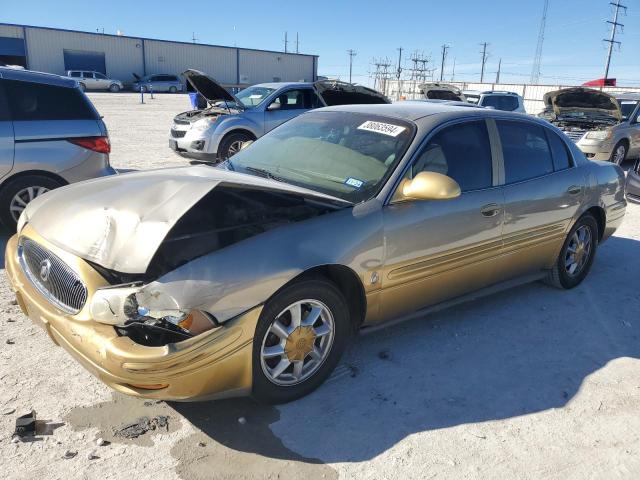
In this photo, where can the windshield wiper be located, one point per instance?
(264, 173)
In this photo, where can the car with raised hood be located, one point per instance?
(251, 278)
(218, 132)
(604, 126)
(441, 91)
(50, 135)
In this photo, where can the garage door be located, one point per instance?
(84, 60)
(12, 51)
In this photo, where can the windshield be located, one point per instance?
(343, 154)
(627, 107)
(472, 98)
(254, 96)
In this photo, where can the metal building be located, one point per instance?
(118, 56)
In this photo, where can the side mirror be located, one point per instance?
(274, 106)
(429, 186)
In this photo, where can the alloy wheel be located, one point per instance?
(578, 251)
(22, 198)
(619, 154)
(234, 148)
(297, 343)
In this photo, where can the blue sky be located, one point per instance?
(573, 49)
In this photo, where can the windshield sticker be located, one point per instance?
(384, 128)
(255, 95)
(354, 182)
(628, 102)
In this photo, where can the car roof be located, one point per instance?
(627, 96)
(410, 110)
(488, 92)
(277, 85)
(37, 77)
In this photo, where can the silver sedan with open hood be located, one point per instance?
(252, 277)
(218, 131)
(604, 126)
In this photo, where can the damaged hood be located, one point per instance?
(119, 222)
(585, 100)
(209, 88)
(334, 92)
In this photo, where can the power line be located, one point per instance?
(612, 39)
(484, 60)
(352, 53)
(537, 59)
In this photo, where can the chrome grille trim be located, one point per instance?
(575, 135)
(63, 287)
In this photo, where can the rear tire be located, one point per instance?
(230, 145)
(307, 353)
(577, 254)
(17, 193)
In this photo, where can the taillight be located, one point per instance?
(97, 144)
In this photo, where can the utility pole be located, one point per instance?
(297, 43)
(399, 71)
(286, 42)
(484, 60)
(445, 47)
(193, 37)
(537, 59)
(352, 53)
(612, 39)
(498, 72)
(453, 70)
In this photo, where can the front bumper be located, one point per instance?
(215, 364)
(594, 150)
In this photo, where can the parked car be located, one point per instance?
(441, 91)
(217, 132)
(202, 282)
(633, 183)
(158, 83)
(95, 81)
(50, 135)
(605, 127)
(499, 100)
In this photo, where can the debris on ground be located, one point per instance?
(13, 302)
(26, 425)
(69, 454)
(242, 420)
(142, 426)
(92, 455)
(202, 444)
(10, 341)
(101, 442)
(8, 411)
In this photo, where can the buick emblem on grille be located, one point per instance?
(45, 269)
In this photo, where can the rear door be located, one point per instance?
(287, 105)
(543, 192)
(6, 135)
(102, 82)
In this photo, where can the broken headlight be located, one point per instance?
(601, 135)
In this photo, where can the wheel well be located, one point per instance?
(240, 130)
(29, 173)
(349, 285)
(599, 215)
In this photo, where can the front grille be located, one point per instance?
(52, 277)
(575, 134)
(177, 121)
(178, 133)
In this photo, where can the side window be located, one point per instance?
(525, 150)
(172, 78)
(75, 74)
(561, 159)
(155, 78)
(4, 108)
(462, 152)
(38, 101)
(295, 99)
(100, 76)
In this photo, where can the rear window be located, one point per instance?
(38, 101)
(506, 103)
(525, 150)
(442, 95)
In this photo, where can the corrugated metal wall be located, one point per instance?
(125, 55)
(122, 55)
(166, 57)
(258, 67)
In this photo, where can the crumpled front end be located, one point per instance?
(212, 364)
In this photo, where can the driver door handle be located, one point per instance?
(574, 190)
(490, 210)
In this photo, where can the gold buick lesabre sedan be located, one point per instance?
(250, 278)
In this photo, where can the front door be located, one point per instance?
(542, 194)
(288, 105)
(437, 250)
(7, 144)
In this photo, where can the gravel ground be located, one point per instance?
(528, 384)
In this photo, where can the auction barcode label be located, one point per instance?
(380, 127)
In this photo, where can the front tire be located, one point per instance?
(619, 154)
(577, 254)
(299, 340)
(17, 193)
(114, 88)
(231, 144)
(173, 89)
